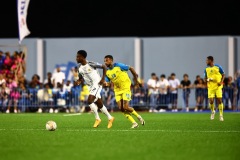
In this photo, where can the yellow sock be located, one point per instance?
(212, 107)
(220, 107)
(129, 117)
(135, 113)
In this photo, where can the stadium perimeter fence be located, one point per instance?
(32, 99)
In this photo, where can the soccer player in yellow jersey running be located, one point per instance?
(214, 75)
(117, 74)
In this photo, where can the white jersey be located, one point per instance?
(90, 73)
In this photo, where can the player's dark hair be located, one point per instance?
(109, 56)
(185, 75)
(82, 53)
(173, 74)
(163, 76)
(210, 58)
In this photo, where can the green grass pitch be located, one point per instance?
(165, 136)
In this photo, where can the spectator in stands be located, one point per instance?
(111, 101)
(108, 97)
(163, 85)
(67, 88)
(174, 84)
(138, 93)
(35, 82)
(4, 71)
(24, 100)
(61, 98)
(13, 99)
(143, 84)
(44, 95)
(75, 96)
(49, 80)
(75, 71)
(58, 77)
(23, 80)
(200, 91)
(48, 96)
(34, 85)
(186, 85)
(2, 58)
(4, 95)
(2, 80)
(84, 95)
(138, 96)
(153, 92)
(237, 75)
(228, 92)
(144, 90)
(10, 82)
(8, 61)
(104, 94)
(40, 97)
(198, 77)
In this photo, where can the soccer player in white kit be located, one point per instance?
(88, 72)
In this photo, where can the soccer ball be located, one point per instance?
(51, 126)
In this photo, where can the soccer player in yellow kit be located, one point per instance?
(117, 74)
(214, 75)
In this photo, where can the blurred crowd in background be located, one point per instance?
(56, 94)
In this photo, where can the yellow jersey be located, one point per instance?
(119, 77)
(215, 73)
(84, 93)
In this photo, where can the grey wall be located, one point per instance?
(183, 55)
(161, 55)
(31, 54)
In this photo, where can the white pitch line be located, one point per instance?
(136, 130)
(75, 114)
(124, 130)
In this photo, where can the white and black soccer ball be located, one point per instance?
(51, 126)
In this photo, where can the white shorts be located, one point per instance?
(95, 91)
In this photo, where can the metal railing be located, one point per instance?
(30, 99)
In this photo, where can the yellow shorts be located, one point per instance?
(125, 95)
(215, 92)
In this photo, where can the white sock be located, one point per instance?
(105, 111)
(94, 108)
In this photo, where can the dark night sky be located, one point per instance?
(78, 18)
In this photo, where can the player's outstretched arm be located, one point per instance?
(135, 76)
(104, 74)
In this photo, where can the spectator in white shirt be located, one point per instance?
(58, 77)
(67, 87)
(153, 92)
(174, 84)
(163, 85)
(49, 80)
